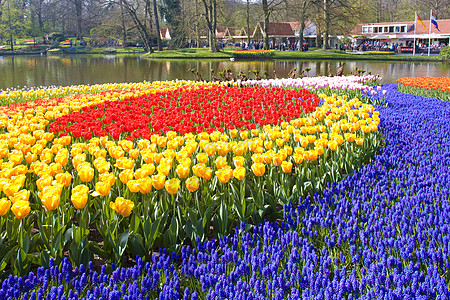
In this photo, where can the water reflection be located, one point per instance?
(91, 69)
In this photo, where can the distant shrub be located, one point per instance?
(56, 36)
(445, 52)
(186, 50)
(109, 50)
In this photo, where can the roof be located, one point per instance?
(279, 29)
(444, 26)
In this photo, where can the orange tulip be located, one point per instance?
(207, 175)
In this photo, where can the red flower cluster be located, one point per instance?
(186, 110)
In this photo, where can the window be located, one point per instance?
(403, 28)
(370, 29)
(397, 29)
(391, 28)
(365, 29)
(375, 29)
(386, 29)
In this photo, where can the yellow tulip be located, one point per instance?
(239, 173)
(257, 158)
(23, 195)
(258, 169)
(202, 158)
(333, 145)
(162, 141)
(21, 209)
(221, 162)
(4, 206)
(163, 169)
(238, 161)
(108, 178)
(126, 145)
(81, 188)
(210, 149)
(77, 160)
(125, 176)
(207, 175)
(50, 201)
(30, 157)
(86, 174)
(10, 189)
(102, 188)
(79, 199)
(182, 171)
(244, 134)
(199, 170)
(192, 183)
(144, 185)
(133, 186)
(64, 178)
(172, 185)
(158, 181)
(268, 156)
(122, 206)
(286, 166)
(359, 141)
(278, 159)
(124, 163)
(298, 158)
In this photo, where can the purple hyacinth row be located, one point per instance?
(381, 233)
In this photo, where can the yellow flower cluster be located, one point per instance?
(171, 162)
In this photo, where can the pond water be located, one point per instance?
(90, 69)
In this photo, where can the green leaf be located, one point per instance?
(207, 216)
(123, 240)
(137, 245)
(56, 245)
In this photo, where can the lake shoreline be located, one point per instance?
(227, 54)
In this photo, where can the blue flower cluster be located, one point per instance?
(381, 233)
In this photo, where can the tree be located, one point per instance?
(172, 12)
(211, 22)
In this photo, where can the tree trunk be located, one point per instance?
(123, 24)
(10, 28)
(326, 15)
(266, 24)
(248, 24)
(78, 12)
(158, 32)
(302, 25)
(211, 21)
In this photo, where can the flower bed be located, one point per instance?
(352, 86)
(89, 190)
(253, 53)
(380, 233)
(433, 87)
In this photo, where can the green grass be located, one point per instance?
(316, 54)
(192, 53)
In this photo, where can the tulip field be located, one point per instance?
(311, 188)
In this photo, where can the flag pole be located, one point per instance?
(415, 25)
(429, 34)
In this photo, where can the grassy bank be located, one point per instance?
(315, 54)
